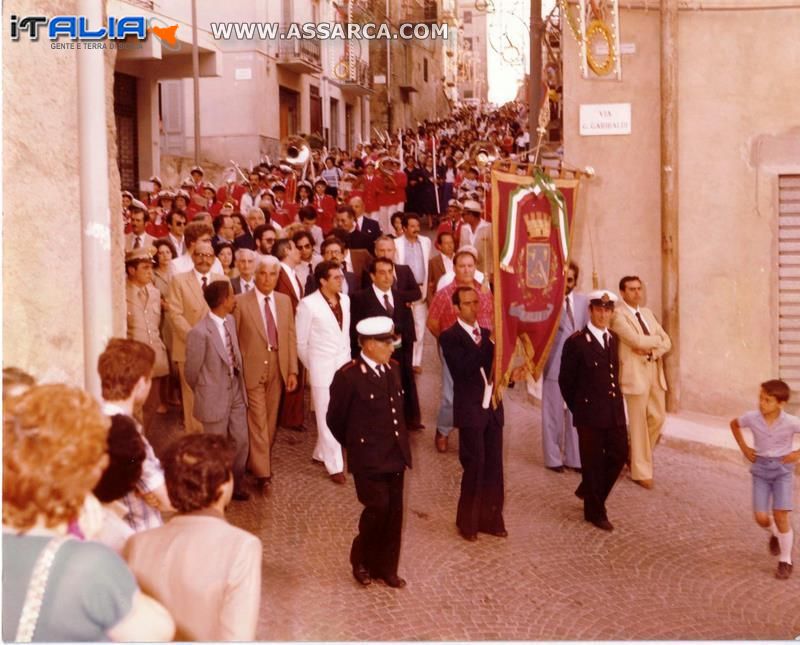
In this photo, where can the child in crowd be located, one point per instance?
(773, 467)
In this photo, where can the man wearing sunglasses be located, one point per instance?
(559, 437)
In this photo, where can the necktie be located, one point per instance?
(606, 340)
(476, 335)
(138, 243)
(569, 313)
(272, 330)
(344, 265)
(205, 282)
(229, 346)
(641, 324)
(388, 305)
(246, 287)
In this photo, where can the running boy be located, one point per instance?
(773, 466)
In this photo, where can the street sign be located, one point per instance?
(605, 119)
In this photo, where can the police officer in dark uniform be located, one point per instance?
(589, 383)
(365, 415)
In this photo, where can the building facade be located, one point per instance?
(473, 81)
(738, 177)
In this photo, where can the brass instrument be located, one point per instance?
(295, 151)
(484, 153)
(481, 154)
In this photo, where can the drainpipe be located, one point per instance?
(670, 274)
(95, 210)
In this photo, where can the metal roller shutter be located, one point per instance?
(789, 279)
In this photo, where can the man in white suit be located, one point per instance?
(559, 436)
(323, 345)
(414, 250)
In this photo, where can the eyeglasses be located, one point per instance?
(570, 280)
(179, 223)
(203, 255)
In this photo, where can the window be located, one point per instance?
(468, 44)
(789, 280)
(467, 18)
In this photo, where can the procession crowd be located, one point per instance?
(245, 298)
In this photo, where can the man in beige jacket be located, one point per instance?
(643, 343)
(205, 571)
(186, 307)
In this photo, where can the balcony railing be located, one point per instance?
(356, 78)
(427, 12)
(300, 56)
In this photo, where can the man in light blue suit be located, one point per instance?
(559, 437)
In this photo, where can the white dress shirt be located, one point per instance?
(470, 329)
(219, 323)
(634, 312)
(293, 279)
(261, 298)
(375, 366)
(598, 333)
(380, 294)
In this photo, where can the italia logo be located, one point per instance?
(77, 28)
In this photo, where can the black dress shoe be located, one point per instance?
(469, 537)
(603, 524)
(394, 581)
(579, 492)
(502, 533)
(241, 495)
(361, 574)
(555, 469)
(574, 470)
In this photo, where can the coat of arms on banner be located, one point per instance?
(532, 220)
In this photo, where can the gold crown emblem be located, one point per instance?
(538, 225)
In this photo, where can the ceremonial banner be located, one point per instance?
(532, 230)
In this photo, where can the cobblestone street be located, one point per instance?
(686, 560)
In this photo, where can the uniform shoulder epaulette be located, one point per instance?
(576, 334)
(349, 365)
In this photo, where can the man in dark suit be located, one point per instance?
(214, 372)
(368, 226)
(246, 264)
(589, 382)
(383, 299)
(363, 416)
(468, 351)
(333, 251)
(356, 239)
(404, 280)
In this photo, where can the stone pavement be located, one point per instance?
(686, 560)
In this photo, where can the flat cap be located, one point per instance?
(137, 205)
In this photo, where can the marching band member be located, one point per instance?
(324, 204)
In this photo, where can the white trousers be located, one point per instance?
(419, 310)
(327, 449)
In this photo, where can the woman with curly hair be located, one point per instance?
(57, 588)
